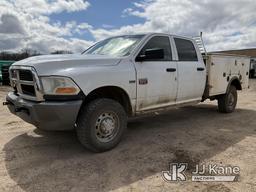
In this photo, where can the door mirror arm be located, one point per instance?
(140, 58)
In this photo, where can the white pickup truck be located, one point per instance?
(120, 77)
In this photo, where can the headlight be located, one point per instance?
(59, 86)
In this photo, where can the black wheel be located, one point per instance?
(101, 124)
(227, 103)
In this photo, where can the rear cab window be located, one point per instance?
(186, 50)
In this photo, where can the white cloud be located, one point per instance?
(10, 24)
(26, 24)
(227, 24)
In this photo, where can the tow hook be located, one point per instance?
(17, 109)
(6, 103)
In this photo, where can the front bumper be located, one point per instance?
(48, 115)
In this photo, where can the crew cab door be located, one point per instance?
(191, 71)
(156, 78)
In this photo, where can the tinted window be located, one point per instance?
(186, 50)
(159, 42)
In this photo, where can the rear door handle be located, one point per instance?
(170, 69)
(200, 69)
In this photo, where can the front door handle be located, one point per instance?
(170, 70)
(200, 69)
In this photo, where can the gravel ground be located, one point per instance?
(32, 160)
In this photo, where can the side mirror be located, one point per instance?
(151, 54)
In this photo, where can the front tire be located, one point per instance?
(227, 102)
(101, 124)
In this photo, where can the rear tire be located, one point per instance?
(227, 103)
(101, 125)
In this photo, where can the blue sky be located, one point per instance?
(74, 25)
(101, 14)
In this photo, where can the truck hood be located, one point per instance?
(52, 64)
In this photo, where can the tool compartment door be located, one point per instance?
(222, 68)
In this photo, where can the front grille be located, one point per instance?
(25, 83)
(28, 90)
(14, 73)
(25, 75)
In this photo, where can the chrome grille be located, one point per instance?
(28, 89)
(25, 75)
(25, 82)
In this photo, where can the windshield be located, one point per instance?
(115, 46)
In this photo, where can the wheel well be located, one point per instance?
(111, 92)
(236, 83)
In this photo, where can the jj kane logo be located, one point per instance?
(204, 172)
(176, 172)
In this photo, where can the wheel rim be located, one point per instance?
(231, 100)
(107, 125)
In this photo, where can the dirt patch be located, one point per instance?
(186, 157)
(33, 160)
(12, 123)
(217, 188)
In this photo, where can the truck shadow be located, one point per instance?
(55, 161)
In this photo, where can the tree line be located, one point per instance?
(4, 55)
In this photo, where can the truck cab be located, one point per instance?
(168, 68)
(121, 77)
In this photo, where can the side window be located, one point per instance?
(159, 42)
(186, 50)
